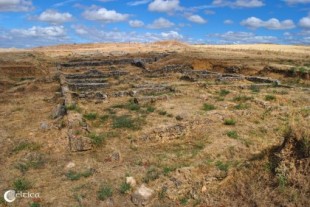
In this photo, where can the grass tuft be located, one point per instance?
(230, 122)
(208, 107)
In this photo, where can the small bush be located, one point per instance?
(242, 98)
(72, 175)
(230, 122)
(150, 109)
(90, 116)
(129, 106)
(73, 107)
(128, 122)
(232, 134)
(183, 201)
(21, 184)
(26, 145)
(104, 193)
(104, 118)
(151, 174)
(124, 188)
(255, 89)
(270, 98)
(35, 204)
(162, 112)
(208, 107)
(97, 139)
(223, 92)
(222, 166)
(167, 170)
(242, 106)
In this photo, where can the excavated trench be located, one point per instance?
(101, 79)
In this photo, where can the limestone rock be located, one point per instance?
(142, 196)
(59, 111)
(131, 181)
(78, 144)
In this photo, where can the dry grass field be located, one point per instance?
(161, 124)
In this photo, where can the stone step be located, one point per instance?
(93, 80)
(87, 86)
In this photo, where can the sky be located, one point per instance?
(33, 23)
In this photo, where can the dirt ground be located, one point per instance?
(189, 122)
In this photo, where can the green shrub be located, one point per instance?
(124, 188)
(270, 98)
(223, 92)
(21, 184)
(90, 116)
(151, 174)
(150, 109)
(97, 139)
(242, 98)
(129, 106)
(230, 122)
(232, 134)
(128, 122)
(208, 107)
(26, 145)
(104, 193)
(73, 107)
(222, 166)
(104, 118)
(72, 175)
(167, 170)
(255, 89)
(35, 204)
(183, 201)
(242, 106)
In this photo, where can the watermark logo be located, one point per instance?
(11, 195)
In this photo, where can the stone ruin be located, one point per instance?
(95, 84)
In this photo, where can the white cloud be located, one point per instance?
(209, 12)
(53, 16)
(172, 35)
(228, 21)
(104, 15)
(167, 6)
(136, 23)
(46, 32)
(137, 3)
(273, 23)
(241, 37)
(15, 5)
(93, 34)
(297, 1)
(239, 3)
(160, 23)
(197, 19)
(305, 22)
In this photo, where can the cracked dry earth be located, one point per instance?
(163, 124)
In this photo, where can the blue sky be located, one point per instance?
(31, 23)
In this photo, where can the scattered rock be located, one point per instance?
(59, 111)
(179, 117)
(233, 69)
(142, 196)
(79, 144)
(44, 126)
(203, 189)
(132, 93)
(138, 63)
(116, 156)
(131, 181)
(70, 165)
